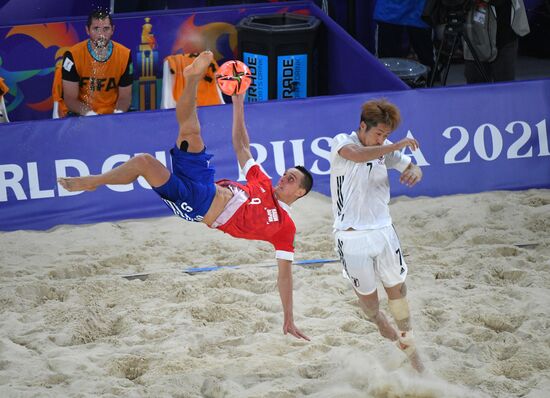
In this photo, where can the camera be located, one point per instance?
(457, 5)
(440, 12)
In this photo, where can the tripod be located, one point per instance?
(454, 31)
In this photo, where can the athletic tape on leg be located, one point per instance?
(400, 311)
(399, 308)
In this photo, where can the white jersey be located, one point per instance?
(361, 191)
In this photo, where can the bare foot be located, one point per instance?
(199, 66)
(73, 184)
(406, 343)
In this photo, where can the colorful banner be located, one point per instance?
(16, 12)
(153, 36)
(472, 139)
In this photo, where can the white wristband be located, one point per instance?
(90, 113)
(117, 111)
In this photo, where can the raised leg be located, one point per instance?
(186, 107)
(144, 165)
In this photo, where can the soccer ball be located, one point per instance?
(233, 77)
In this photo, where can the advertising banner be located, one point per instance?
(472, 139)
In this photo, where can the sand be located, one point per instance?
(72, 325)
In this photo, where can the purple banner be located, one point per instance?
(472, 139)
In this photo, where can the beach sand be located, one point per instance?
(72, 325)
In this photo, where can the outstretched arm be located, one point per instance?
(360, 154)
(241, 142)
(284, 283)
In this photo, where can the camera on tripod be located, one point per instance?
(442, 12)
(453, 15)
(456, 12)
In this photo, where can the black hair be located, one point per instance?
(99, 14)
(307, 182)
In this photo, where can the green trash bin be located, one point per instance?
(279, 49)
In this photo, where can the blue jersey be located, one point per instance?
(190, 190)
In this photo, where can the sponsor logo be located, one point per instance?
(272, 215)
(68, 64)
(98, 84)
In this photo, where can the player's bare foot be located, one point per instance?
(406, 343)
(73, 184)
(199, 66)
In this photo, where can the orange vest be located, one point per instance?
(57, 91)
(99, 80)
(3, 88)
(207, 90)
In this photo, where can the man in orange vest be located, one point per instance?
(97, 73)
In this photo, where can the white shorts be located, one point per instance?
(370, 255)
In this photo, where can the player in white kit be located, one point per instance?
(365, 238)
